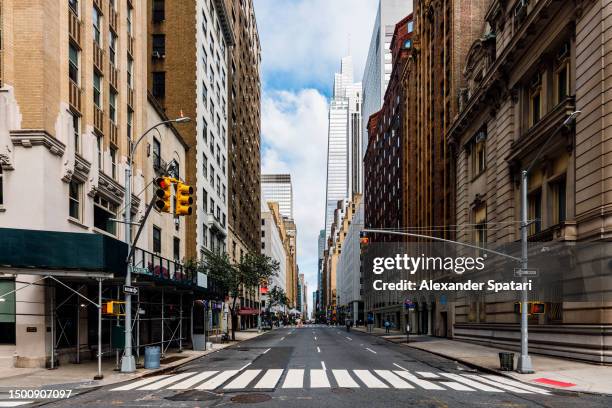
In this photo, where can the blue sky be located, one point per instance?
(302, 43)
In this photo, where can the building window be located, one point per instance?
(156, 153)
(204, 130)
(159, 45)
(73, 63)
(205, 201)
(479, 154)
(97, 90)
(204, 165)
(263, 233)
(212, 176)
(74, 200)
(129, 70)
(104, 212)
(112, 106)
(96, 20)
(112, 47)
(159, 11)
(76, 126)
(130, 118)
(535, 212)
(410, 26)
(159, 84)
(558, 200)
(204, 235)
(535, 100)
(263, 245)
(408, 44)
(74, 6)
(129, 19)
(480, 221)
(99, 151)
(177, 249)
(156, 239)
(204, 93)
(113, 155)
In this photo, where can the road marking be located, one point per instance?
(265, 351)
(243, 379)
(245, 366)
(171, 380)
(217, 381)
(183, 385)
(9, 404)
(344, 379)
(369, 380)
(393, 379)
(516, 384)
(473, 384)
(140, 383)
(421, 383)
(456, 386)
(315, 338)
(282, 338)
(427, 374)
(270, 379)
(497, 384)
(323, 365)
(370, 350)
(349, 338)
(318, 379)
(294, 379)
(318, 349)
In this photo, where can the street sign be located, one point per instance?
(202, 280)
(408, 304)
(519, 273)
(132, 290)
(139, 270)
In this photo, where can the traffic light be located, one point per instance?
(184, 199)
(163, 193)
(537, 308)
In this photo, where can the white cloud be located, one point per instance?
(294, 130)
(306, 38)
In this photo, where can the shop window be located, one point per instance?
(7, 312)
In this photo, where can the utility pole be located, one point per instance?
(128, 363)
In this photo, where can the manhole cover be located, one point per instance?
(251, 398)
(194, 396)
(341, 390)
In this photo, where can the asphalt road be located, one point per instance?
(322, 366)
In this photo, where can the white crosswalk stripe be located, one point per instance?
(428, 385)
(344, 379)
(190, 382)
(217, 381)
(393, 379)
(9, 404)
(270, 379)
(294, 379)
(258, 379)
(170, 380)
(470, 383)
(318, 379)
(369, 379)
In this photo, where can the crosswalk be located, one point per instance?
(297, 378)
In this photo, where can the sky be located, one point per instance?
(302, 43)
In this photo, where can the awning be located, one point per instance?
(248, 311)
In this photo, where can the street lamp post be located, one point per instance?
(128, 363)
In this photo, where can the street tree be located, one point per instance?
(251, 271)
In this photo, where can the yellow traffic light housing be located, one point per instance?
(184, 199)
(163, 193)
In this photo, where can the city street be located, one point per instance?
(326, 366)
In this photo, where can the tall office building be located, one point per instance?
(278, 188)
(379, 62)
(189, 43)
(343, 150)
(319, 293)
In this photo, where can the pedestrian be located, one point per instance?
(370, 323)
(387, 326)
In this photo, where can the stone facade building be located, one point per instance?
(532, 65)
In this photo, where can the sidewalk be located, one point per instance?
(550, 372)
(79, 377)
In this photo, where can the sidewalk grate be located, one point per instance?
(250, 398)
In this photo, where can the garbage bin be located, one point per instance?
(152, 354)
(506, 361)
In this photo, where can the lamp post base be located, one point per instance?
(128, 364)
(524, 365)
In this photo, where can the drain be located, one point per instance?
(342, 390)
(250, 398)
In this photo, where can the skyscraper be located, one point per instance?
(379, 62)
(278, 188)
(343, 151)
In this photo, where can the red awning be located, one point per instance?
(248, 311)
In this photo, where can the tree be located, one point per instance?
(249, 273)
(277, 297)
